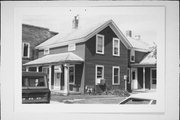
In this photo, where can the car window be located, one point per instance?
(136, 101)
(33, 82)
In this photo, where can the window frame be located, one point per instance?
(114, 47)
(117, 67)
(47, 52)
(132, 53)
(28, 54)
(72, 83)
(98, 35)
(102, 66)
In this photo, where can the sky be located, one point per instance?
(144, 21)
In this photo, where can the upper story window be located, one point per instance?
(26, 50)
(132, 56)
(100, 44)
(46, 51)
(116, 47)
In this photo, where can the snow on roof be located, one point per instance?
(138, 44)
(84, 30)
(56, 58)
(149, 59)
(73, 35)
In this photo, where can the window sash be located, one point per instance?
(116, 47)
(99, 72)
(99, 44)
(116, 75)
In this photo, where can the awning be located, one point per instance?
(68, 57)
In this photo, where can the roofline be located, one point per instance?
(87, 37)
(142, 65)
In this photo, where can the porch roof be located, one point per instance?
(148, 61)
(68, 57)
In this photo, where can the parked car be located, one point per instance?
(140, 98)
(35, 88)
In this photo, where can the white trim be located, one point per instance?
(118, 47)
(96, 81)
(113, 67)
(132, 53)
(46, 51)
(72, 83)
(28, 54)
(98, 35)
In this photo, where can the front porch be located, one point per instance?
(142, 79)
(61, 72)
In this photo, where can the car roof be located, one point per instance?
(33, 74)
(149, 95)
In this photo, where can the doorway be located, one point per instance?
(134, 81)
(153, 78)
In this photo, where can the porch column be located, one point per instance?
(66, 79)
(37, 69)
(50, 77)
(144, 78)
(27, 69)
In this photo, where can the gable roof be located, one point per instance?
(82, 34)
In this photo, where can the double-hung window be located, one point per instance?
(26, 50)
(100, 44)
(116, 75)
(116, 47)
(99, 73)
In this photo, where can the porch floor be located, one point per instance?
(61, 92)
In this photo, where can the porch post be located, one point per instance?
(37, 69)
(66, 79)
(27, 69)
(50, 77)
(144, 78)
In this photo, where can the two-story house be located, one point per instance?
(31, 37)
(86, 56)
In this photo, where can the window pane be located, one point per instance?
(100, 44)
(133, 75)
(99, 72)
(25, 52)
(116, 75)
(116, 48)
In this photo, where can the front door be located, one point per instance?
(134, 82)
(153, 78)
(57, 78)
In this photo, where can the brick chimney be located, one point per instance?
(75, 22)
(128, 33)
